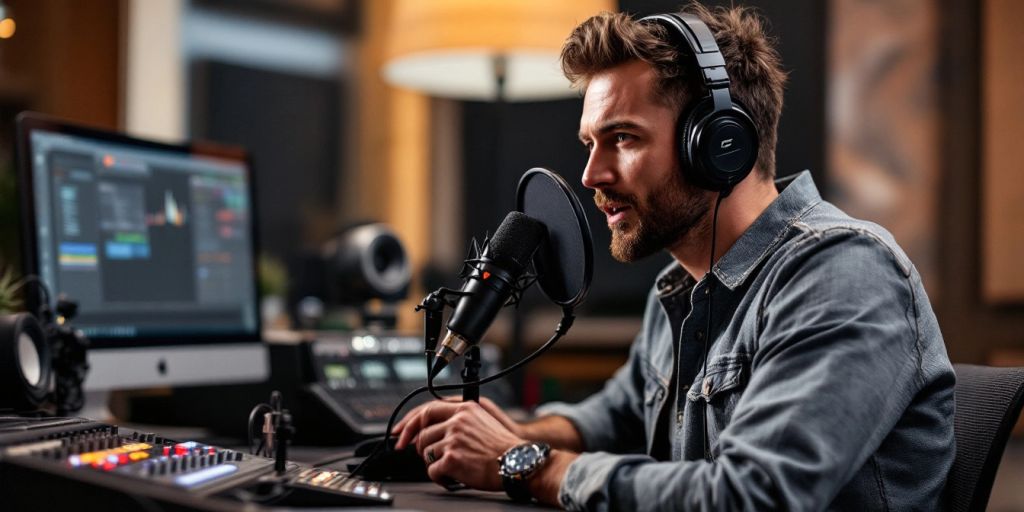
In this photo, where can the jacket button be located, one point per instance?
(700, 335)
(707, 386)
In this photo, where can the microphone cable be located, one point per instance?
(563, 327)
(430, 381)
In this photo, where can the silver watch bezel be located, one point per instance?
(543, 451)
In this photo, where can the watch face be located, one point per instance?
(521, 458)
(521, 461)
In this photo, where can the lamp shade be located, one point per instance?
(449, 47)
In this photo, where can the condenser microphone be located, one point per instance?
(491, 281)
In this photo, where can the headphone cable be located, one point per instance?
(707, 332)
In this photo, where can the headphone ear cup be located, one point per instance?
(691, 165)
(721, 147)
(729, 147)
(25, 362)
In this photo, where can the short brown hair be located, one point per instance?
(755, 69)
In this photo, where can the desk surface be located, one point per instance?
(423, 495)
(408, 496)
(429, 496)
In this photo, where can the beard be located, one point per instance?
(661, 219)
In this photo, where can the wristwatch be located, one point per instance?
(517, 464)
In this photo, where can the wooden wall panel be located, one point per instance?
(66, 54)
(392, 179)
(1002, 119)
(63, 60)
(884, 121)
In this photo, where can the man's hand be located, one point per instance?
(460, 440)
(485, 402)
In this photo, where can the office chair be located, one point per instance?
(988, 402)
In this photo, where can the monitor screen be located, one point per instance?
(156, 244)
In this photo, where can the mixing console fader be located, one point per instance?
(70, 464)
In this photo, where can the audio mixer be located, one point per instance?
(73, 463)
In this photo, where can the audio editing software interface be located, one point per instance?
(150, 242)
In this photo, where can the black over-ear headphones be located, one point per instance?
(718, 141)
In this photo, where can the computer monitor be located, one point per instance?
(156, 243)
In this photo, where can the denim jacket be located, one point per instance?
(827, 383)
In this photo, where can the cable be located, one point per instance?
(259, 409)
(563, 327)
(432, 388)
(44, 291)
(707, 331)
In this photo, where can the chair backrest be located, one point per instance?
(988, 402)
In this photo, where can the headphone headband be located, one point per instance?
(704, 49)
(718, 140)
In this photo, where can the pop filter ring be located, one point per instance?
(549, 281)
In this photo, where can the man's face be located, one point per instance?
(633, 165)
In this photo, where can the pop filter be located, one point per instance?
(565, 260)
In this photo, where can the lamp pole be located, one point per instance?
(499, 63)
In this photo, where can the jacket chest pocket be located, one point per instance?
(721, 389)
(655, 390)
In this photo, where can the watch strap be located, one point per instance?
(516, 489)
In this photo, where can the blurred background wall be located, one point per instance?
(904, 111)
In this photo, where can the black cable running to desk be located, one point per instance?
(707, 332)
(261, 407)
(563, 327)
(430, 386)
(44, 291)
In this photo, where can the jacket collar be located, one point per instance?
(797, 195)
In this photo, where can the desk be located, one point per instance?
(423, 495)
(33, 478)
(430, 496)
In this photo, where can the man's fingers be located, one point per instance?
(491, 407)
(411, 428)
(426, 415)
(436, 412)
(432, 453)
(403, 438)
(405, 419)
(411, 414)
(438, 470)
(430, 435)
(398, 426)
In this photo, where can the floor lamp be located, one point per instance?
(485, 50)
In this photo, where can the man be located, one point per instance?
(820, 380)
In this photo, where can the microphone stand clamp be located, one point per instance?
(433, 306)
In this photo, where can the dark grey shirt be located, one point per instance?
(827, 386)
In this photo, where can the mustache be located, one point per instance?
(603, 197)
